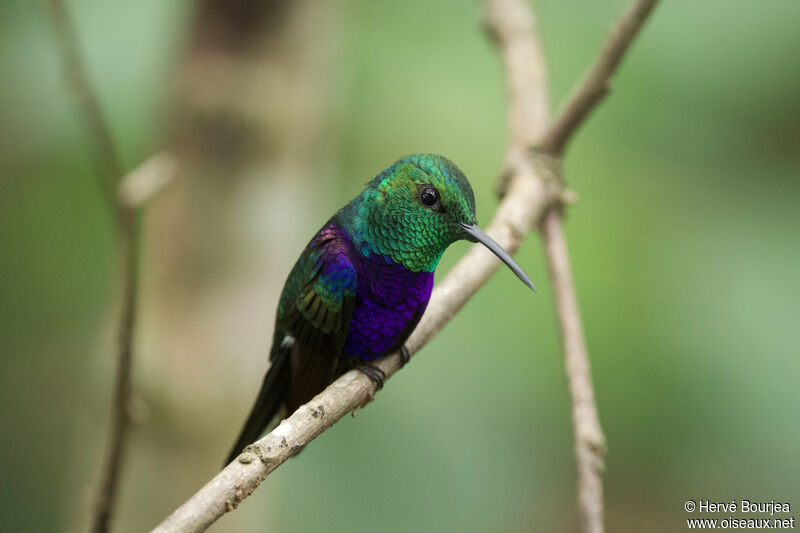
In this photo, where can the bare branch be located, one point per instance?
(109, 166)
(534, 186)
(123, 206)
(589, 438)
(590, 444)
(134, 189)
(147, 180)
(128, 246)
(527, 199)
(511, 24)
(590, 487)
(596, 85)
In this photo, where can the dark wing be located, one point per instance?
(313, 320)
(315, 311)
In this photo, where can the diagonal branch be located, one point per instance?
(504, 17)
(511, 25)
(123, 204)
(134, 190)
(590, 444)
(533, 187)
(595, 86)
(517, 214)
(107, 161)
(524, 72)
(589, 438)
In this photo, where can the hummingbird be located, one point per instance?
(363, 282)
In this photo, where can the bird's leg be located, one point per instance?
(376, 375)
(372, 372)
(404, 355)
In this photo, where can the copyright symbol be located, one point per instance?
(689, 506)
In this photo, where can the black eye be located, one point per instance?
(428, 196)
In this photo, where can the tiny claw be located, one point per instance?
(372, 372)
(404, 355)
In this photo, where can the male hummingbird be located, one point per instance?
(361, 285)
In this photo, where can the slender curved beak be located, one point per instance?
(479, 235)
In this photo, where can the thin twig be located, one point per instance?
(145, 181)
(511, 25)
(533, 186)
(503, 16)
(135, 188)
(120, 415)
(109, 165)
(109, 172)
(596, 84)
(590, 445)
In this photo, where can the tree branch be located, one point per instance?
(533, 187)
(527, 199)
(107, 161)
(595, 86)
(524, 72)
(589, 439)
(526, 88)
(128, 246)
(511, 25)
(137, 187)
(590, 446)
(145, 181)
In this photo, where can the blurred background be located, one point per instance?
(685, 245)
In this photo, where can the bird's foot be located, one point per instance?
(404, 356)
(372, 372)
(376, 375)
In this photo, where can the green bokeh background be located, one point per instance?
(685, 245)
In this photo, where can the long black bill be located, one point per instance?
(497, 250)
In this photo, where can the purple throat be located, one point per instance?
(390, 300)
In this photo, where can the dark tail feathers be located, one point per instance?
(270, 397)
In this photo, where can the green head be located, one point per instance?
(413, 210)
